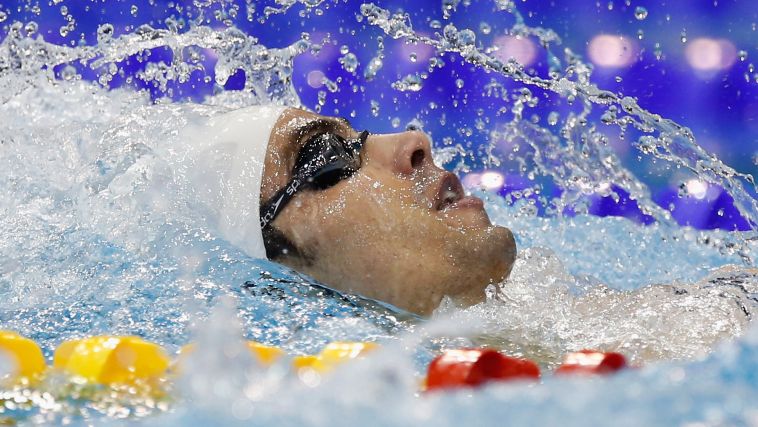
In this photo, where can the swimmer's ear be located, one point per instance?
(306, 231)
(288, 242)
(279, 247)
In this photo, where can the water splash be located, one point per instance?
(268, 71)
(91, 248)
(579, 159)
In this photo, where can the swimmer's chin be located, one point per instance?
(508, 247)
(497, 263)
(502, 254)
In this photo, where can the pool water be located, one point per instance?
(99, 238)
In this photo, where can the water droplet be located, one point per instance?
(373, 67)
(683, 36)
(640, 13)
(349, 62)
(64, 10)
(647, 144)
(435, 24)
(658, 51)
(344, 49)
(619, 79)
(3, 16)
(609, 116)
(331, 85)
(395, 122)
(68, 72)
(414, 124)
(485, 28)
(409, 83)
(448, 7)
(742, 55)
(134, 10)
(640, 34)
(459, 83)
(504, 5)
(413, 57)
(466, 37)
(31, 28)
(610, 5)
(63, 31)
(104, 33)
(552, 118)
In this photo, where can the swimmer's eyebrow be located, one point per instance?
(321, 124)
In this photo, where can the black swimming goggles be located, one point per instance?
(324, 160)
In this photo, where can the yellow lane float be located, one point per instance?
(24, 355)
(334, 354)
(266, 355)
(112, 360)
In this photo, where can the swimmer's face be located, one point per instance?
(399, 230)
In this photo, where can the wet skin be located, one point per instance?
(399, 230)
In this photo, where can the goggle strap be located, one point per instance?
(358, 144)
(282, 197)
(270, 210)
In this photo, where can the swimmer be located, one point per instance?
(364, 213)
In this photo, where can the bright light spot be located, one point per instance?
(492, 180)
(522, 50)
(489, 180)
(472, 180)
(697, 188)
(309, 377)
(612, 51)
(706, 54)
(584, 359)
(316, 79)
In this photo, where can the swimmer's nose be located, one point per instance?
(404, 152)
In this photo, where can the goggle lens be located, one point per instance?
(328, 158)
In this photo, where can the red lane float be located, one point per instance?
(473, 367)
(590, 362)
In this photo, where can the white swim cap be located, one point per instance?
(223, 166)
